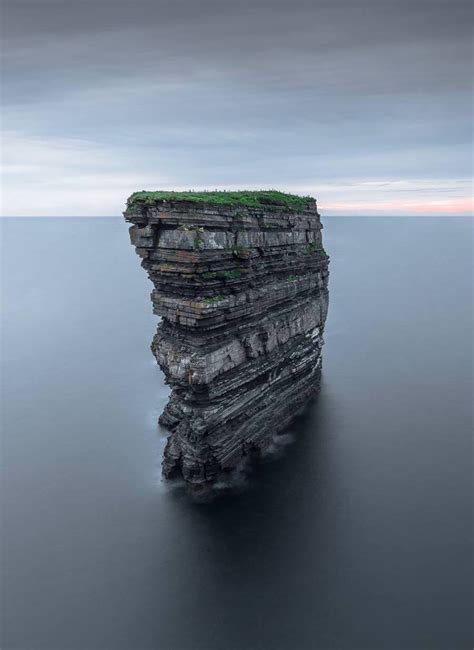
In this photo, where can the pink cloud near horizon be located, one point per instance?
(460, 206)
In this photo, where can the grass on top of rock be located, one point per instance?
(245, 198)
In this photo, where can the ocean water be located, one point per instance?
(356, 536)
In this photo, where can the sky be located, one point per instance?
(366, 105)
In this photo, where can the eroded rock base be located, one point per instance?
(243, 297)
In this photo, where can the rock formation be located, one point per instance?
(240, 283)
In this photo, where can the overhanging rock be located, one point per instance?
(240, 281)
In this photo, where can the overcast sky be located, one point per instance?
(364, 104)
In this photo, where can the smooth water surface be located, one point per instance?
(356, 537)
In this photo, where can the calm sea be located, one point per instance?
(357, 535)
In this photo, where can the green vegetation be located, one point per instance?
(198, 238)
(292, 277)
(230, 275)
(240, 251)
(197, 230)
(209, 301)
(227, 275)
(314, 248)
(250, 199)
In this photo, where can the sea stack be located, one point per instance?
(240, 282)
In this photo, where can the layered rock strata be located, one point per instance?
(242, 294)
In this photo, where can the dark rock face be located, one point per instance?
(243, 297)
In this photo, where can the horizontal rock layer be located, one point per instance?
(243, 297)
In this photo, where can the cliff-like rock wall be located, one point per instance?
(240, 284)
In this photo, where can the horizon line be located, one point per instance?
(326, 215)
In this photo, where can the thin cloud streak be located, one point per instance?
(70, 177)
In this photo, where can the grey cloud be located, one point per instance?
(249, 91)
(376, 44)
